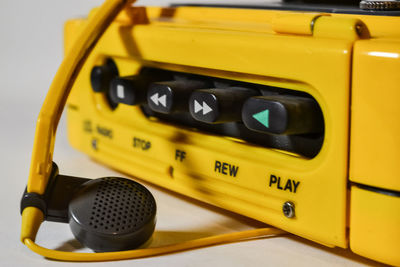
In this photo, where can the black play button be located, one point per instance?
(282, 114)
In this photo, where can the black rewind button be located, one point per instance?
(282, 114)
(219, 105)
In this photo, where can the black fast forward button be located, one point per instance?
(282, 114)
(172, 96)
(219, 105)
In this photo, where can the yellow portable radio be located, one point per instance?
(284, 113)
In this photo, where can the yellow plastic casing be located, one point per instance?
(374, 225)
(307, 52)
(375, 142)
(375, 150)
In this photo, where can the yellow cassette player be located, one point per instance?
(286, 113)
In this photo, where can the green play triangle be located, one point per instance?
(262, 117)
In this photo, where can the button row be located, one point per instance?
(276, 114)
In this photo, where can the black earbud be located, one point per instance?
(104, 214)
(111, 214)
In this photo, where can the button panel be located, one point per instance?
(268, 116)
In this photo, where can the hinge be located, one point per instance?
(320, 25)
(340, 28)
(295, 23)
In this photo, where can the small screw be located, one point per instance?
(94, 144)
(359, 29)
(288, 209)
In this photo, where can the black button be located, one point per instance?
(101, 76)
(127, 90)
(172, 96)
(219, 105)
(282, 114)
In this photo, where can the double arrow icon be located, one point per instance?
(198, 107)
(162, 99)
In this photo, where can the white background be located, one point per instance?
(30, 52)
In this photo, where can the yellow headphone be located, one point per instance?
(42, 157)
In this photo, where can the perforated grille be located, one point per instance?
(120, 205)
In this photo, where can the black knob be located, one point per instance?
(219, 105)
(173, 96)
(101, 76)
(283, 114)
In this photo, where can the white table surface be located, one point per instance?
(30, 52)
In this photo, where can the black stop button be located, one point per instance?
(282, 114)
(127, 90)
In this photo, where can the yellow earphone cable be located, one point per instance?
(44, 145)
(53, 106)
(54, 103)
(147, 252)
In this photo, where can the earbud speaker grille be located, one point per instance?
(111, 213)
